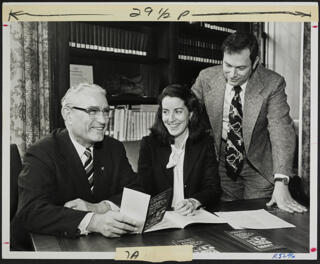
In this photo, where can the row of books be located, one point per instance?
(199, 59)
(198, 44)
(130, 123)
(106, 38)
(218, 28)
(224, 27)
(200, 51)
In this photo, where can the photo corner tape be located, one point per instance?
(155, 253)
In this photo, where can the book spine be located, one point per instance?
(144, 44)
(82, 35)
(103, 38)
(135, 42)
(126, 42)
(72, 42)
(117, 40)
(129, 132)
(122, 124)
(111, 122)
(96, 43)
(107, 39)
(77, 32)
(125, 132)
(86, 36)
(144, 123)
(138, 125)
(116, 123)
(121, 41)
(91, 37)
(112, 38)
(140, 49)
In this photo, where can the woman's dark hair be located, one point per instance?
(196, 123)
(239, 41)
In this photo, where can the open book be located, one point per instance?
(173, 219)
(151, 213)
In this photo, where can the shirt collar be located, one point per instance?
(79, 148)
(243, 86)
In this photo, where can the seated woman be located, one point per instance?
(178, 153)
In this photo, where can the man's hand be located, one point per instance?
(79, 204)
(282, 197)
(185, 207)
(112, 224)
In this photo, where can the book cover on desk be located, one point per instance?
(255, 241)
(198, 244)
(151, 214)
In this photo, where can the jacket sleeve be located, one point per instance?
(38, 209)
(210, 189)
(197, 88)
(281, 130)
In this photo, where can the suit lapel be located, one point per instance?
(73, 165)
(214, 102)
(190, 158)
(251, 108)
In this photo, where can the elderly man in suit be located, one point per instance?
(72, 178)
(254, 134)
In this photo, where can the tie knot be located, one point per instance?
(237, 89)
(87, 152)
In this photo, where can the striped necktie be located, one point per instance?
(235, 145)
(88, 166)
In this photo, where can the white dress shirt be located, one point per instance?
(176, 161)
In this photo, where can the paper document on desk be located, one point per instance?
(173, 219)
(253, 219)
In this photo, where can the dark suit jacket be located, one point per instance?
(53, 174)
(268, 131)
(201, 179)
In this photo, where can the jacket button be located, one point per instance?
(185, 186)
(66, 233)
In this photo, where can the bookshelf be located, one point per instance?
(133, 61)
(199, 47)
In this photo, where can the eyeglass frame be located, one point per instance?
(105, 111)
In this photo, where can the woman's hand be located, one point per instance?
(186, 207)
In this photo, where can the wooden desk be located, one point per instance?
(296, 239)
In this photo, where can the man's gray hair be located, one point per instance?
(72, 91)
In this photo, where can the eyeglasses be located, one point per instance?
(93, 111)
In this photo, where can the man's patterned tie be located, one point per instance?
(234, 152)
(88, 166)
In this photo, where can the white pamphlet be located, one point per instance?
(253, 219)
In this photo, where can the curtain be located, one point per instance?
(29, 78)
(305, 159)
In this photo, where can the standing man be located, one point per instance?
(249, 115)
(71, 178)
